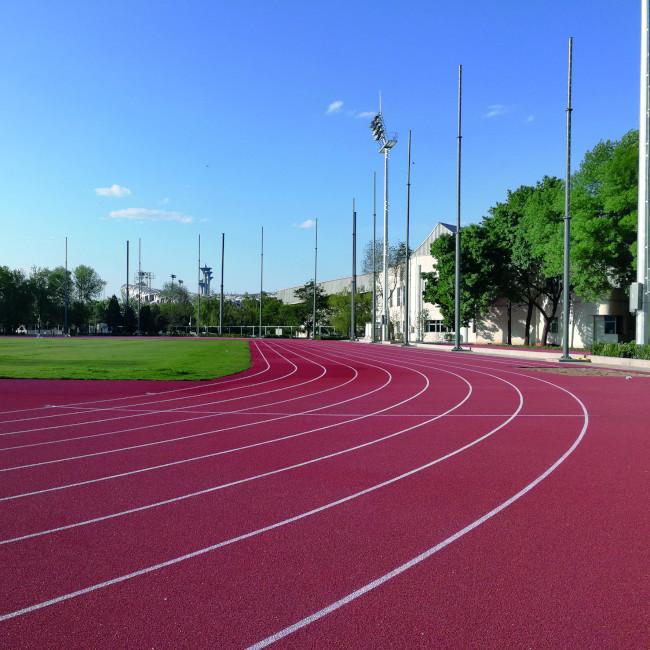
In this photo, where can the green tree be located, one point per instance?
(478, 287)
(113, 313)
(87, 283)
(305, 295)
(341, 311)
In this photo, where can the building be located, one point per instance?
(606, 321)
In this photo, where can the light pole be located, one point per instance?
(313, 317)
(261, 280)
(223, 245)
(353, 293)
(566, 282)
(67, 290)
(387, 143)
(457, 347)
(407, 284)
(373, 337)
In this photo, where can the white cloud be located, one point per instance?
(115, 190)
(495, 110)
(146, 214)
(335, 106)
(529, 119)
(366, 114)
(307, 223)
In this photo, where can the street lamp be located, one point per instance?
(378, 128)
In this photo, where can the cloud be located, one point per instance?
(307, 223)
(366, 114)
(495, 110)
(146, 214)
(335, 107)
(115, 190)
(529, 119)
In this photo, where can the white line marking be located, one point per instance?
(281, 634)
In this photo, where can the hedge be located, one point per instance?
(621, 350)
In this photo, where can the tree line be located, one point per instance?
(516, 251)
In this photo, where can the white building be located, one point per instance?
(606, 321)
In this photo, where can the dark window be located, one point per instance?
(612, 324)
(436, 326)
(553, 327)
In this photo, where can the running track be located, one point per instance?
(334, 495)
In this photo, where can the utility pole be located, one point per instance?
(566, 282)
(223, 244)
(313, 316)
(353, 294)
(457, 347)
(127, 277)
(405, 300)
(373, 337)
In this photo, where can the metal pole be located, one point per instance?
(643, 218)
(566, 282)
(127, 276)
(261, 281)
(353, 294)
(457, 346)
(373, 337)
(408, 252)
(198, 293)
(313, 317)
(223, 246)
(140, 281)
(67, 291)
(386, 319)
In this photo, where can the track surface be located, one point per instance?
(335, 494)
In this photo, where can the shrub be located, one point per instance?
(621, 350)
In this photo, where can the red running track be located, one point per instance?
(335, 494)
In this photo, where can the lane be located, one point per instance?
(479, 466)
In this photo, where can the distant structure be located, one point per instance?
(204, 285)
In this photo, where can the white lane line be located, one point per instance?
(242, 537)
(218, 453)
(171, 399)
(209, 384)
(281, 634)
(159, 425)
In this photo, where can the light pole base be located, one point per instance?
(570, 359)
(460, 349)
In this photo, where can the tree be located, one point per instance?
(87, 283)
(16, 300)
(305, 295)
(478, 287)
(341, 311)
(604, 218)
(113, 313)
(129, 320)
(147, 324)
(396, 265)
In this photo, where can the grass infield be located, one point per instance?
(109, 358)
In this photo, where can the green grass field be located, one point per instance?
(108, 358)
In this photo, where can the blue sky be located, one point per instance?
(214, 116)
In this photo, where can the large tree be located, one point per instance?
(340, 305)
(396, 265)
(88, 284)
(305, 295)
(478, 287)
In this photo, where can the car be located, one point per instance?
(22, 330)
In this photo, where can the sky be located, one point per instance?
(163, 121)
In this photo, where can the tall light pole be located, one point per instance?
(313, 316)
(223, 247)
(387, 143)
(373, 336)
(353, 293)
(261, 279)
(457, 347)
(407, 272)
(566, 282)
(642, 287)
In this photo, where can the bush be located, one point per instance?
(621, 350)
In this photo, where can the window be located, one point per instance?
(613, 324)
(436, 326)
(553, 326)
(398, 297)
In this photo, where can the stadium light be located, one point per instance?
(378, 127)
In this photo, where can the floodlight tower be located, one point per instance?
(386, 144)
